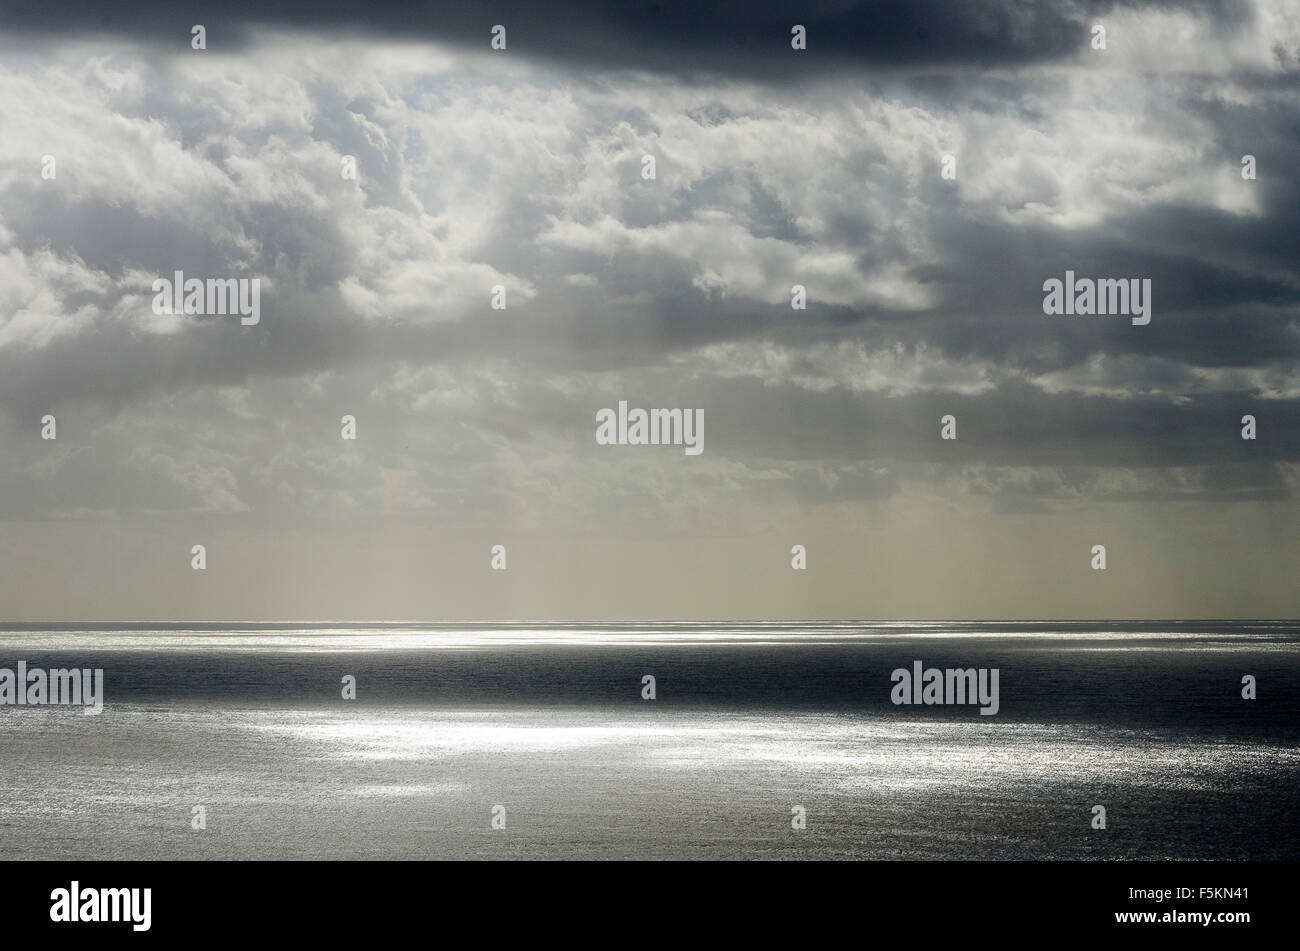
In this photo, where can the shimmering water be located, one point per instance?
(750, 720)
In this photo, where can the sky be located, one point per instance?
(524, 168)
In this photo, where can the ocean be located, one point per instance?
(751, 723)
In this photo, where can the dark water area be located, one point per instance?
(749, 722)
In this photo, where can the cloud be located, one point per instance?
(525, 171)
(687, 40)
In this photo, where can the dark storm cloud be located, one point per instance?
(1223, 288)
(689, 38)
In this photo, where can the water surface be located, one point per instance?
(749, 721)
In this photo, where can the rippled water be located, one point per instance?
(750, 720)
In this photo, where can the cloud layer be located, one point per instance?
(523, 169)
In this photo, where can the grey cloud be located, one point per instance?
(688, 39)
